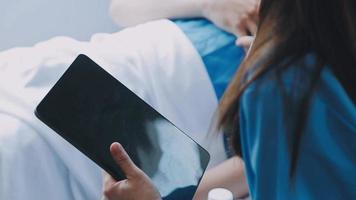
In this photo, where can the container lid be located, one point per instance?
(220, 194)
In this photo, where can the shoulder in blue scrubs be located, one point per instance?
(327, 162)
(326, 168)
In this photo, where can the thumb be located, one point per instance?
(124, 161)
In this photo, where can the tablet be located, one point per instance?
(91, 109)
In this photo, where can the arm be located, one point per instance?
(235, 16)
(128, 13)
(229, 174)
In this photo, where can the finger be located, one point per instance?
(108, 180)
(124, 161)
(245, 42)
(252, 27)
(113, 191)
(110, 188)
(240, 31)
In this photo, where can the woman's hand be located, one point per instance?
(239, 17)
(136, 186)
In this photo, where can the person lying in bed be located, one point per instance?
(215, 39)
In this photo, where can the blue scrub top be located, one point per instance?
(327, 162)
(217, 49)
(327, 157)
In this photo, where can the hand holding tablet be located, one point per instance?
(91, 110)
(137, 185)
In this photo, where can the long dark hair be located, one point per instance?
(288, 31)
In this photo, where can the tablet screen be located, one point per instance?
(91, 110)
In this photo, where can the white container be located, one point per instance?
(220, 194)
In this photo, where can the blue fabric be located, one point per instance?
(219, 53)
(217, 48)
(327, 157)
